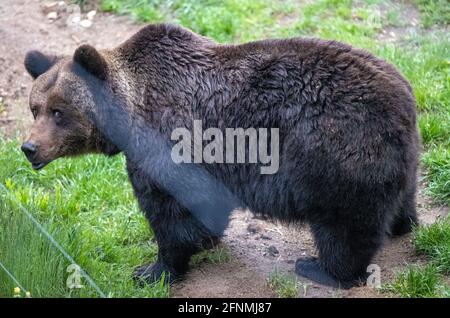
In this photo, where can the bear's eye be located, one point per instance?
(57, 114)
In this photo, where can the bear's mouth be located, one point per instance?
(38, 165)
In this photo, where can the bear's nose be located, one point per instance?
(29, 149)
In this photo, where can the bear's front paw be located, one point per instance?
(153, 273)
(309, 267)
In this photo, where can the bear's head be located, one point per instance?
(58, 101)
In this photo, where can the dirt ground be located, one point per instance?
(257, 247)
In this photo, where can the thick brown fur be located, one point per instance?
(348, 137)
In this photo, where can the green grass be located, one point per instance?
(434, 12)
(222, 20)
(87, 203)
(434, 242)
(431, 280)
(437, 161)
(419, 282)
(217, 255)
(284, 285)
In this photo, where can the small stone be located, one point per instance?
(253, 228)
(272, 251)
(52, 16)
(75, 38)
(91, 14)
(75, 19)
(49, 7)
(86, 23)
(265, 237)
(62, 7)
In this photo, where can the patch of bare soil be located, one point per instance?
(257, 247)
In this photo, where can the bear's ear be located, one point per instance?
(91, 60)
(38, 63)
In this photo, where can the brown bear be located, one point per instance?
(348, 141)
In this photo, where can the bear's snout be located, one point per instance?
(30, 150)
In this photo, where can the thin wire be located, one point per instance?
(12, 277)
(55, 243)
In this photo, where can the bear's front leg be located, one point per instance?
(179, 235)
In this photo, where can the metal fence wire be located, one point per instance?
(53, 242)
(13, 278)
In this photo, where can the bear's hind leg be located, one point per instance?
(345, 250)
(406, 219)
